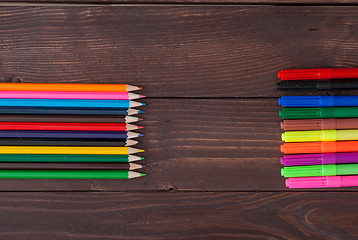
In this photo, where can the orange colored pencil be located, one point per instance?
(76, 87)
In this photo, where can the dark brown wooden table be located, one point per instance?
(212, 132)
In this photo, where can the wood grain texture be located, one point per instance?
(196, 144)
(220, 51)
(107, 216)
(168, 2)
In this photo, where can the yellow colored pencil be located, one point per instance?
(67, 150)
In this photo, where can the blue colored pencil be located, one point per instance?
(72, 103)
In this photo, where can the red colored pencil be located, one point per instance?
(67, 126)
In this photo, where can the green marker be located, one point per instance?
(73, 174)
(67, 158)
(324, 112)
(320, 170)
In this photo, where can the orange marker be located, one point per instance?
(319, 147)
(75, 87)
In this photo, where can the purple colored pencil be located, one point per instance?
(319, 159)
(66, 134)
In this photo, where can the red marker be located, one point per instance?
(317, 73)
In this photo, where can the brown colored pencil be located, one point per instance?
(68, 166)
(68, 118)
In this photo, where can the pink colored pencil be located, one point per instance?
(69, 95)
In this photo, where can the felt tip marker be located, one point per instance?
(319, 124)
(320, 170)
(322, 182)
(319, 147)
(317, 73)
(323, 112)
(320, 135)
(318, 101)
(338, 84)
(319, 159)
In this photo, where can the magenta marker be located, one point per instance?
(322, 182)
(319, 159)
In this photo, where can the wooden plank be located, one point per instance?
(255, 215)
(196, 144)
(200, 51)
(168, 2)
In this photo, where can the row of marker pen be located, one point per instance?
(68, 131)
(321, 138)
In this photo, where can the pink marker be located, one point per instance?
(322, 182)
(70, 95)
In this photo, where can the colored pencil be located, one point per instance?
(67, 150)
(71, 103)
(59, 126)
(68, 166)
(70, 95)
(73, 174)
(67, 142)
(68, 158)
(68, 118)
(75, 87)
(67, 111)
(67, 134)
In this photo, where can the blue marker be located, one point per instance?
(318, 101)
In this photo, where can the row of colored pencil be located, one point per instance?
(321, 138)
(68, 131)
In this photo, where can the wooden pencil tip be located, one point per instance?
(132, 174)
(140, 88)
(134, 166)
(140, 127)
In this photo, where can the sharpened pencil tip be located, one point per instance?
(140, 150)
(143, 104)
(141, 111)
(140, 135)
(140, 127)
(141, 158)
(140, 88)
(143, 174)
(141, 96)
(140, 119)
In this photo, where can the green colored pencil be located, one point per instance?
(72, 174)
(67, 158)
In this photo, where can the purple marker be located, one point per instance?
(319, 159)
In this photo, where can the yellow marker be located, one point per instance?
(320, 135)
(67, 150)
